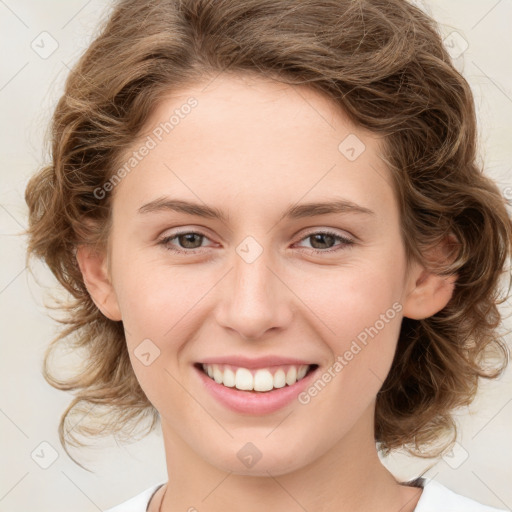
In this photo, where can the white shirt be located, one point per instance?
(434, 498)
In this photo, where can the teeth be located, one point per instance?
(263, 380)
(259, 380)
(229, 379)
(279, 379)
(217, 375)
(291, 376)
(301, 372)
(244, 380)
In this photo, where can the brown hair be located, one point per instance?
(384, 64)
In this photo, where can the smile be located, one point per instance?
(257, 390)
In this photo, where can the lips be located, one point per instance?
(253, 402)
(257, 362)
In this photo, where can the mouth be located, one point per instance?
(256, 380)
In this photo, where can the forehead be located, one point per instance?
(257, 140)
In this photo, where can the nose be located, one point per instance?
(254, 300)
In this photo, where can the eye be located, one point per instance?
(322, 241)
(187, 240)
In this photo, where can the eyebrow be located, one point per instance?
(292, 212)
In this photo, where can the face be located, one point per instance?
(255, 276)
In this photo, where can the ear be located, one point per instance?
(93, 265)
(428, 293)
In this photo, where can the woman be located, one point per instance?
(279, 246)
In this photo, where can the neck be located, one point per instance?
(347, 477)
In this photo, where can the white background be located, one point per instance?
(30, 409)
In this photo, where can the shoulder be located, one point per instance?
(438, 498)
(137, 503)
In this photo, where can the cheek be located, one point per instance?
(358, 311)
(350, 299)
(155, 298)
(156, 304)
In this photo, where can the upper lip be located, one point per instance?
(256, 362)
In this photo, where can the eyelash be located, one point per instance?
(346, 242)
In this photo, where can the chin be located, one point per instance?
(261, 458)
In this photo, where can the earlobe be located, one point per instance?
(93, 266)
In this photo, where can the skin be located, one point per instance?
(253, 147)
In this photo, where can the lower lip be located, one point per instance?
(256, 403)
